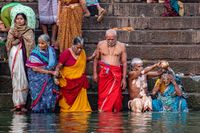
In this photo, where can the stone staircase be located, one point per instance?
(175, 39)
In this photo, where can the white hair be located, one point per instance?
(111, 31)
(45, 38)
(136, 61)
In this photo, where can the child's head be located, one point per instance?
(43, 41)
(137, 64)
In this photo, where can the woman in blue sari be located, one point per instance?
(170, 95)
(42, 61)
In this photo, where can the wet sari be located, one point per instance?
(73, 83)
(109, 88)
(18, 51)
(44, 92)
(167, 100)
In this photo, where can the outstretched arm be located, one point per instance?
(92, 56)
(152, 74)
(149, 68)
(41, 70)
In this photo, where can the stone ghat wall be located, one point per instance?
(175, 39)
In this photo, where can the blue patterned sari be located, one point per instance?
(169, 101)
(44, 92)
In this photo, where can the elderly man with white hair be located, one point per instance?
(137, 79)
(112, 58)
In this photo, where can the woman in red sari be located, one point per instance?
(72, 79)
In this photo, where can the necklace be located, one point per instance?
(109, 50)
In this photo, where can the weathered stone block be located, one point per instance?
(170, 52)
(5, 84)
(146, 36)
(6, 101)
(4, 68)
(145, 10)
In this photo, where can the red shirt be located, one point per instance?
(66, 58)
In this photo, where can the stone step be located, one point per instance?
(153, 10)
(193, 101)
(5, 84)
(138, 37)
(133, 9)
(184, 66)
(147, 36)
(158, 52)
(143, 23)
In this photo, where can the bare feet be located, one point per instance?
(87, 14)
(102, 12)
(24, 110)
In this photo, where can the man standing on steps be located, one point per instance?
(111, 79)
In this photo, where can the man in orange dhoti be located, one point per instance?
(112, 75)
(73, 82)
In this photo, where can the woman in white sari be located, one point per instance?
(20, 42)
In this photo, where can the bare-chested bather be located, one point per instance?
(137, 79)
(111, 77)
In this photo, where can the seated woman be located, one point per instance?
(72, 81)
(43, 90)
(20, 41)
(9, 11)
(170, 95)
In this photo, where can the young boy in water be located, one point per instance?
(137, 80)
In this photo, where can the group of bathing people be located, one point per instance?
(35, 69)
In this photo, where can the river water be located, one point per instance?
(101, 122)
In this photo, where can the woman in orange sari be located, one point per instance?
(72, 79)
(70, 15)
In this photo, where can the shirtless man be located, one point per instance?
(112, 58)
(137, 79)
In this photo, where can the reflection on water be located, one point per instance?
(74, 122)
(110, 122)
(19, 123)
(139, 122)
(101, 122)
(42, 123)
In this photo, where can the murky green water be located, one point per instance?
(101, 122)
